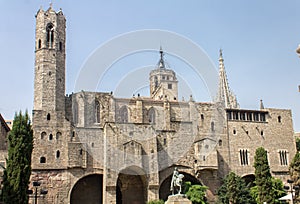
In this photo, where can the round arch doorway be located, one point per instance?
(88, 190)
(164, 189)
(131, 186)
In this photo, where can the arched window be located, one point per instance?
(75, 113)
(151, 115)
(48, 116)
(279, 119)
(43, 160)
(58, 135)
(57, 154)
(97, 109)
(50, 35)
(43, 135)
(123, 114)
(220, 142)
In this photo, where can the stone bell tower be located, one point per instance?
(51, 130)
(49, 82)
(163, 81)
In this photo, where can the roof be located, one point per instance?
(3, 123)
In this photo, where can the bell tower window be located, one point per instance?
(50, 35)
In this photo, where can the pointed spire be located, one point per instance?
(161, 63)
(225, 95)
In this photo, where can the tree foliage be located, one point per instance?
(294, 169)
(234, 190)
(267, 188)
(195, 193)
(18, 168)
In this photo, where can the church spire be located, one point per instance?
(224, 94)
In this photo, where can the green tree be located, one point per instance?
(234, 190)
(278, 190)
(294, 169)
(298, 144)
(195, 193)
(263, 178)
(18, 168)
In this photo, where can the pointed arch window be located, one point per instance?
(151, 115)
(97, 113)
(75, 113)
(50, 35)
(123, 114)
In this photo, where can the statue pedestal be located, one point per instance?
(178, 199)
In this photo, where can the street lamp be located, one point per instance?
(43, 192)
(293, 189)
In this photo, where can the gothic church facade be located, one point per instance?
(92, 147)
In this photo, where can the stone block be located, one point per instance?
(178, 199)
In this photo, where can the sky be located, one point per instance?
(258, 39)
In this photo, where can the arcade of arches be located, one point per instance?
(131, 188)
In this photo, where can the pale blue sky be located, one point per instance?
(259, 39)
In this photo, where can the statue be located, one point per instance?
(176, 181)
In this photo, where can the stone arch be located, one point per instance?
(164, 187)
(249, 179)
(50, 34)
(131, 186)
(88, 189)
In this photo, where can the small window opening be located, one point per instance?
(50, 137)
(261, 133)
(73, 134)
(60, 46)
(80, 151)
(43, 160)
(234, 132)
(220, 142)
(202, 117)
(58, 135)
(279, 119)
(39, 44)
(165, 141)
(43, 135)
(57, 154)
(212, 126)
(48, 116)
(169, 86)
